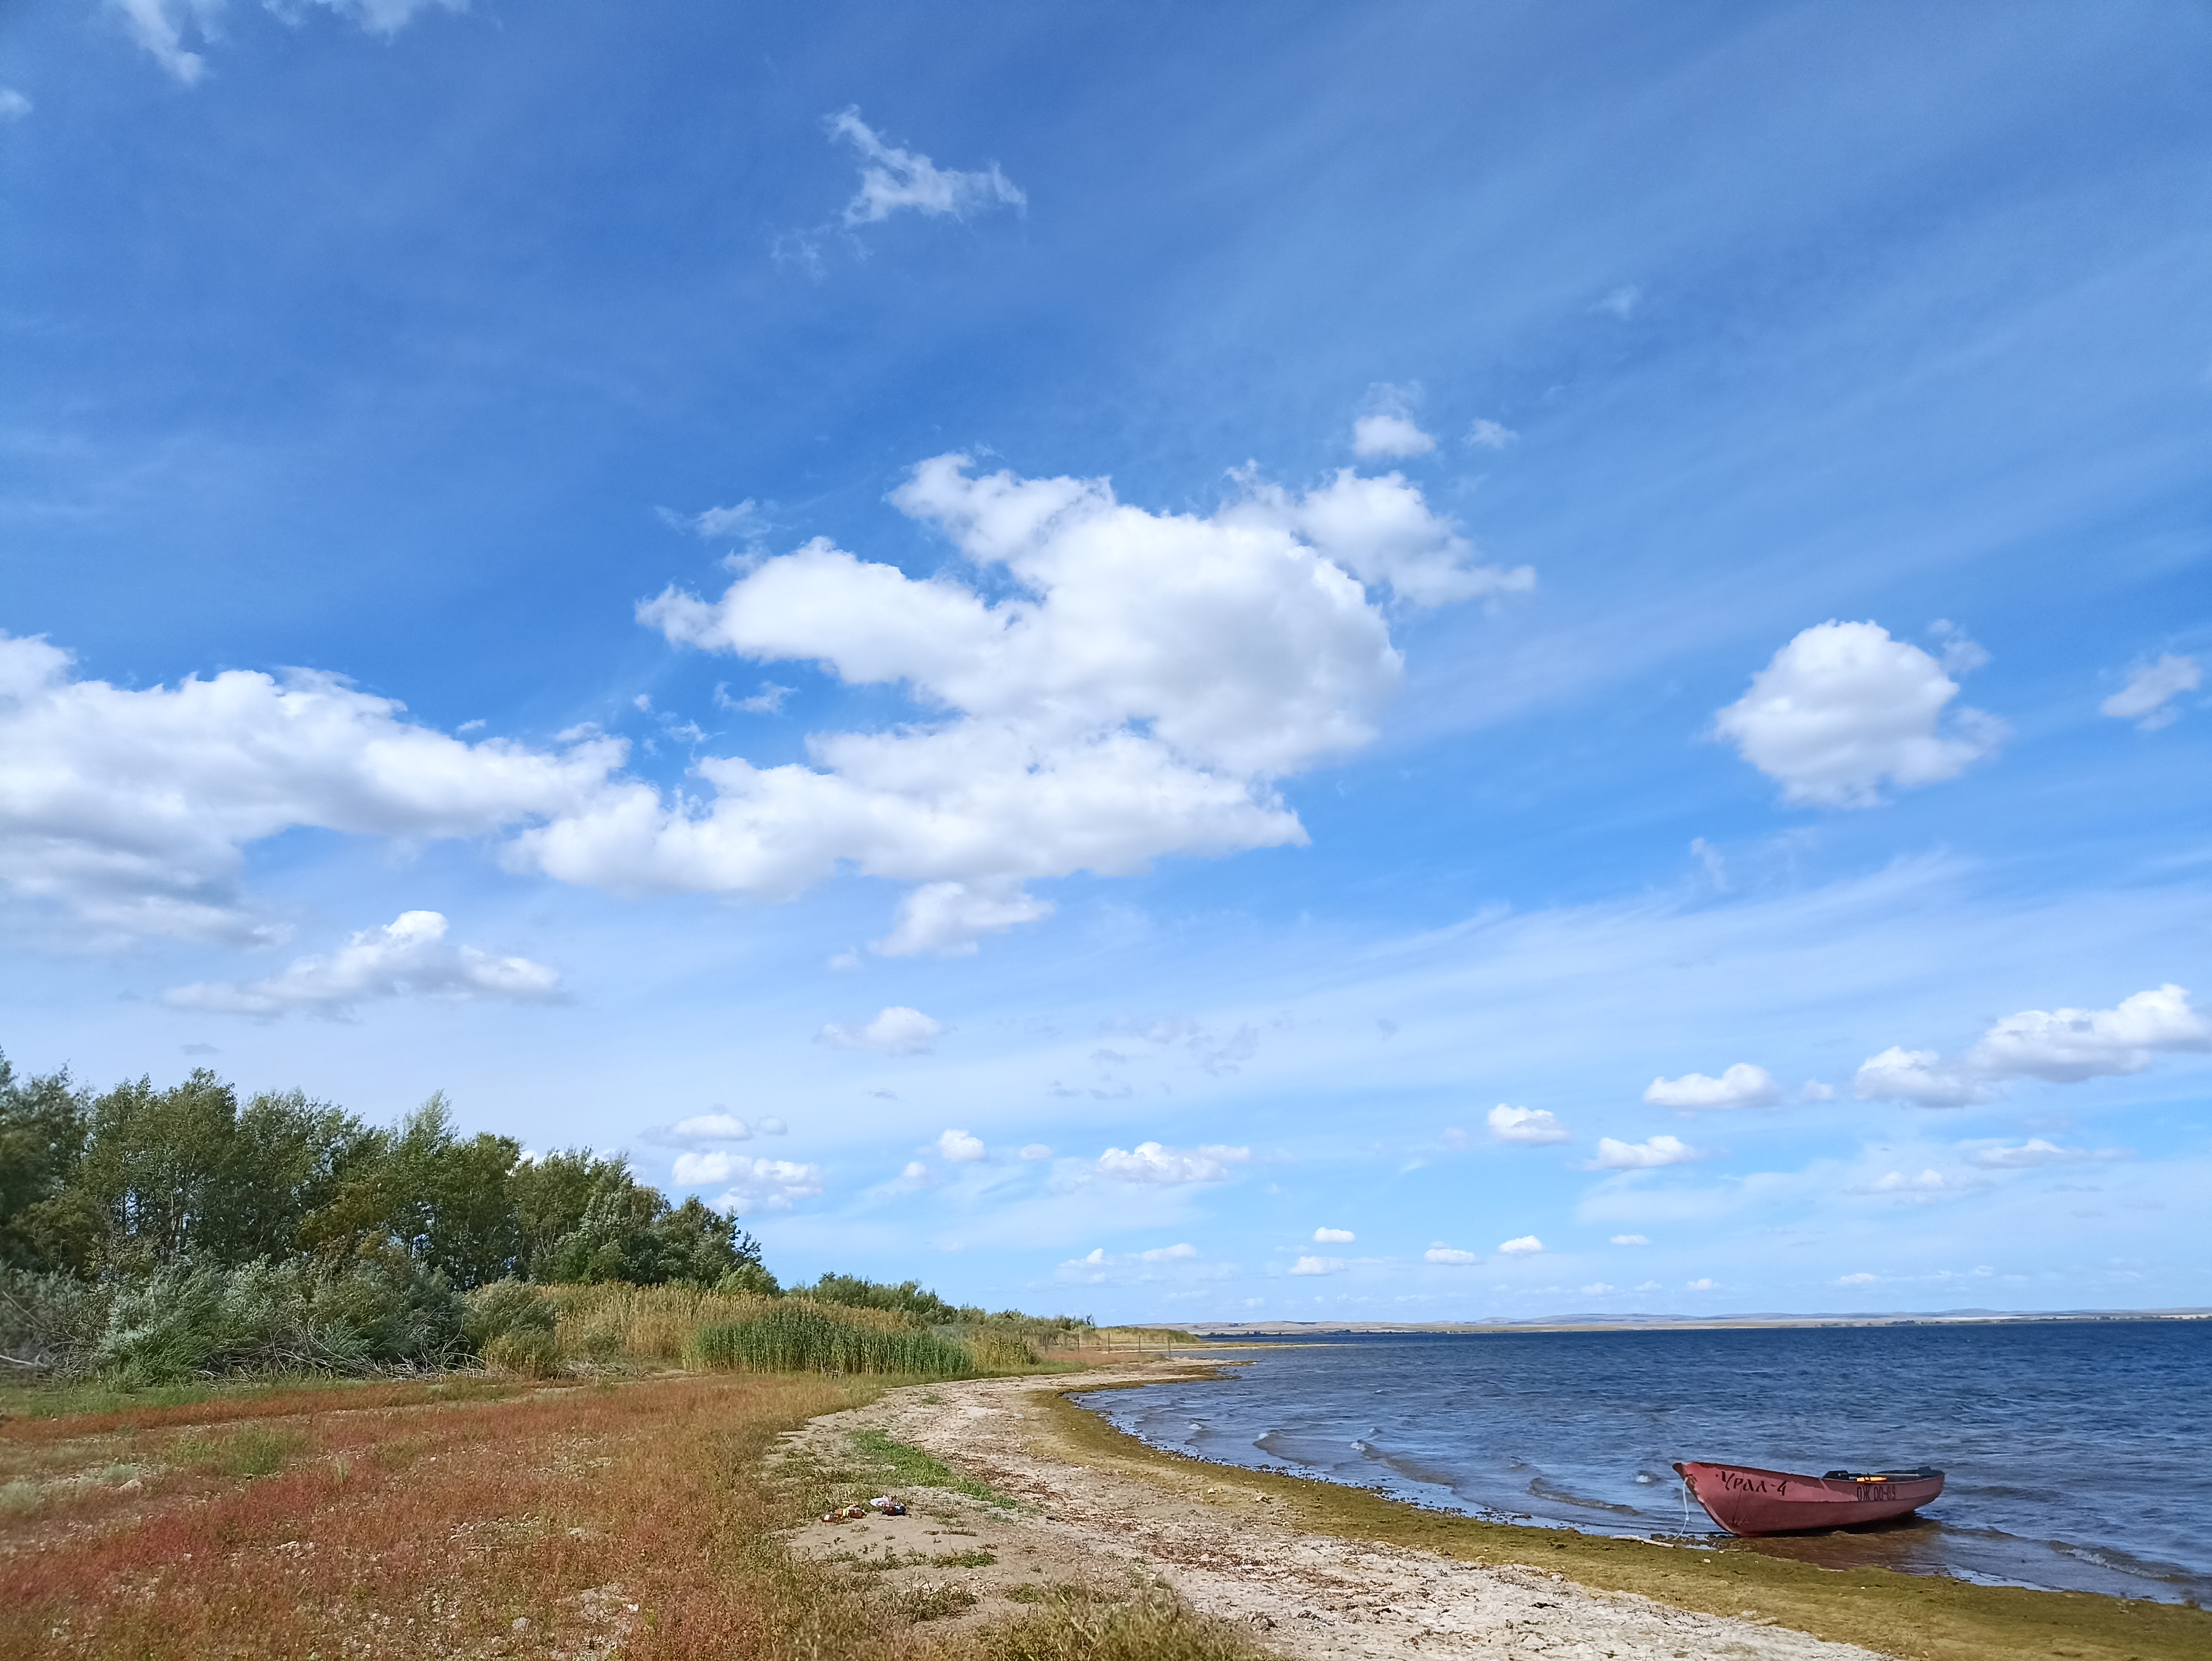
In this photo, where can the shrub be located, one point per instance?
(48, 1321)
(794, 1337)
(381, 1309)
(526, 1351)
(505, 1306)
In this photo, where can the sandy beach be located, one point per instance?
(1223, 1544)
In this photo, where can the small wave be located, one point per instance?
(1544, 1490)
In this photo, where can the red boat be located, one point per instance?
(1745, 1500)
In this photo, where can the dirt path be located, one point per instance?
(1113, 1524)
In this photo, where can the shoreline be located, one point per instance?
(1320, 1570)
(1233, 1331)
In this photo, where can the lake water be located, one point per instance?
(2079, 1456)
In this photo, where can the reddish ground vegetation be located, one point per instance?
(387, 1521)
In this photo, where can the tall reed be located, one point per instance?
(796, 1336)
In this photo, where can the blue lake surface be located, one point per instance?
(2078, 1455)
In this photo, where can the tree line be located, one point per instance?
(139, 1180)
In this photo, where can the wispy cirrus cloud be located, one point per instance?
(2147, 698)
(163, 27)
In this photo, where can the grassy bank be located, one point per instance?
(614, 1324)
(472, 1517)
(1904, 1614)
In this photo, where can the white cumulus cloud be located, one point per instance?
(893, 179)
(1919, 1076)
(131, 808)
(2064, 1046)
(1149, 1162)
(408, 957)
(1706, 1284)
(1524, 1244)
(1534, 1126)
(1036, 1151)
(1630, 1239)
(1613, 1154)
(1168, 1253)
(958, 1148)
(1596, 1288)
(1441, 1253)
(1382, 531)
(760, 1184)
(1844, 708)
(1118, 685)
(1317, 1266)
(1859, 1280)
(2147, 699)
(1108, 686)
(2068, 1045)
(1334, 1236)
(897, 1030)
(1740, 1086)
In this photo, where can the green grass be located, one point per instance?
(255, 1451)
(935, 1602)
(912, 1468)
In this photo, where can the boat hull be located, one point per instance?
(1745, 1499)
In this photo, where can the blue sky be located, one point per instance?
(1564, 671)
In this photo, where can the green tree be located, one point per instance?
(448, 1201)
(288, 1157)
(629, 1232)
(552, 1195)
(156, 1171)
(906, 1297)
(42, 1122)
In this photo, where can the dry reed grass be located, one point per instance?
(614, 1322)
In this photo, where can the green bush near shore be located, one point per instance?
(796, 1336)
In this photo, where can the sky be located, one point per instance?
(1288, 662)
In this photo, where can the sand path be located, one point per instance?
(1113, 1524)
